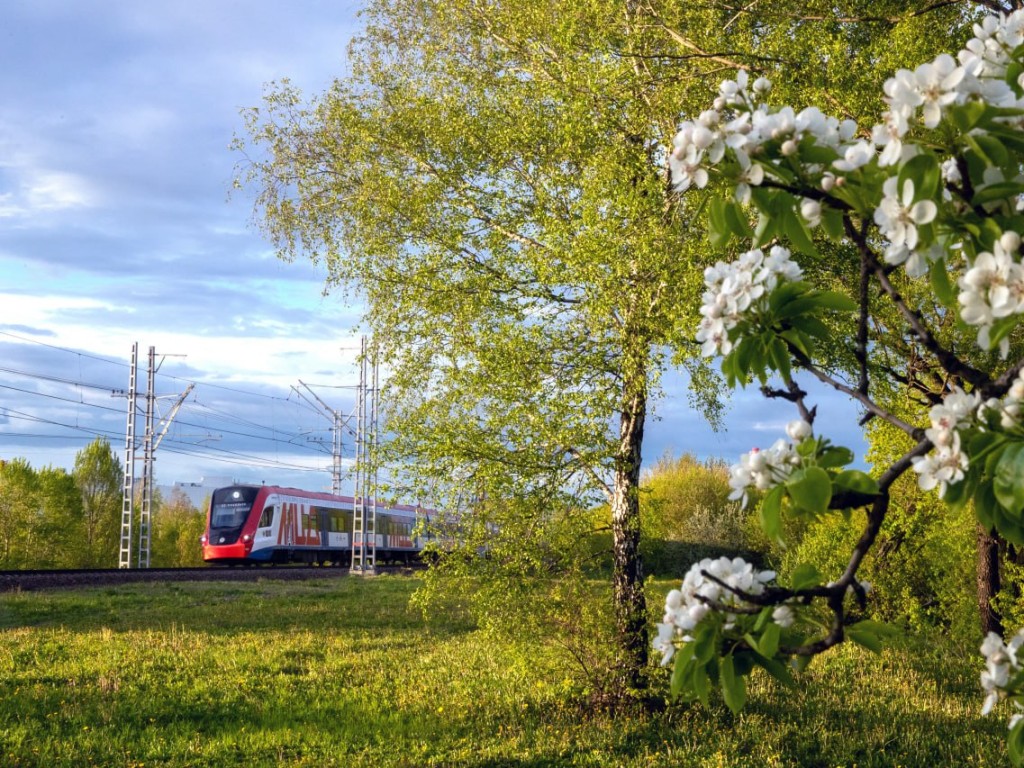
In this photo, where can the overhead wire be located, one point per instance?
(278, 436)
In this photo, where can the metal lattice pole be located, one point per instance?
(128, 488)
(145, 515)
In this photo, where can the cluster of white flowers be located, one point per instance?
(1010, 408)
(746, 127)
(978, 72)
(947, 463)
(1001, 665)
(761, 470)
(897, 217)
(698, 596)
(742, 124)
(733, 288)
(993, 288)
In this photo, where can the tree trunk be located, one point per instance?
(627, 575)
(988, 582)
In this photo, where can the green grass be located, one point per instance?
(343, 673)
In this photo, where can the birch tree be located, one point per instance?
(490, 181)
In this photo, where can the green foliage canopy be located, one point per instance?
(490, 178)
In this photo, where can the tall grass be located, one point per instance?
(343, 673)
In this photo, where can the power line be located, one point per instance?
(292, 439)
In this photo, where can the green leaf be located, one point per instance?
(718, 227)
(835, 456)
(800, 341)
(736, 220)
(1008, 482)
(776, 669)
(994, 149)
(960, 493)
(796, 231)
(785, 293)
(701, 684)
(797, 307)
(941, 283)
(734, 687)
(1015, 743)
(1002, 191)
(838, 302)
(966, 116)
(780, 358)
(984, 505)
(704, 641)
(770, 513)
(768, 645)
(812, 326)
(765, 231)
(923, 170)
(1001, 328)
(680, 671)
(810, 489)
(804, 576)
(865, 638)
(832, 223)
(857, 482)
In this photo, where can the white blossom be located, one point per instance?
(762, 470)
(898, 216)
(798, 429)
(855, 156)
(699, 596)
(783, 616)
(993, 287)
(735, 289)
(1001, 665)
(810, 210)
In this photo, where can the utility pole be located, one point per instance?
(146, 513)
(364, 518)
(149, 449)
(128, 488)
(338, 421)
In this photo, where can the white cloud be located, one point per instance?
(58, 190)
(39, 191)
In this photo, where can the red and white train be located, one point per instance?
(271, 524)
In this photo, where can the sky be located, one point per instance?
(118, 227)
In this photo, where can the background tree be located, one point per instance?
(18, 505)
(56, 526)
(491, 180)
(177, 526)
(99, 476)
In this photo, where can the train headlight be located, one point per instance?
(247, 538)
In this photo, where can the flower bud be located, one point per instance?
(798, 430)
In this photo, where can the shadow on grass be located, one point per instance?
(226, 608)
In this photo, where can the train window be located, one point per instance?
(229, 515)
(267, 518)
(230, 507)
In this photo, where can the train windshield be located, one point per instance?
(230, 507)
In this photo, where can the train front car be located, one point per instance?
(231, 523)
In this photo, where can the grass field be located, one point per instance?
(343, 673)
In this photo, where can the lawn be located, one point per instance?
(343, 673)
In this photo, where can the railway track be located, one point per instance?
(52, 579)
